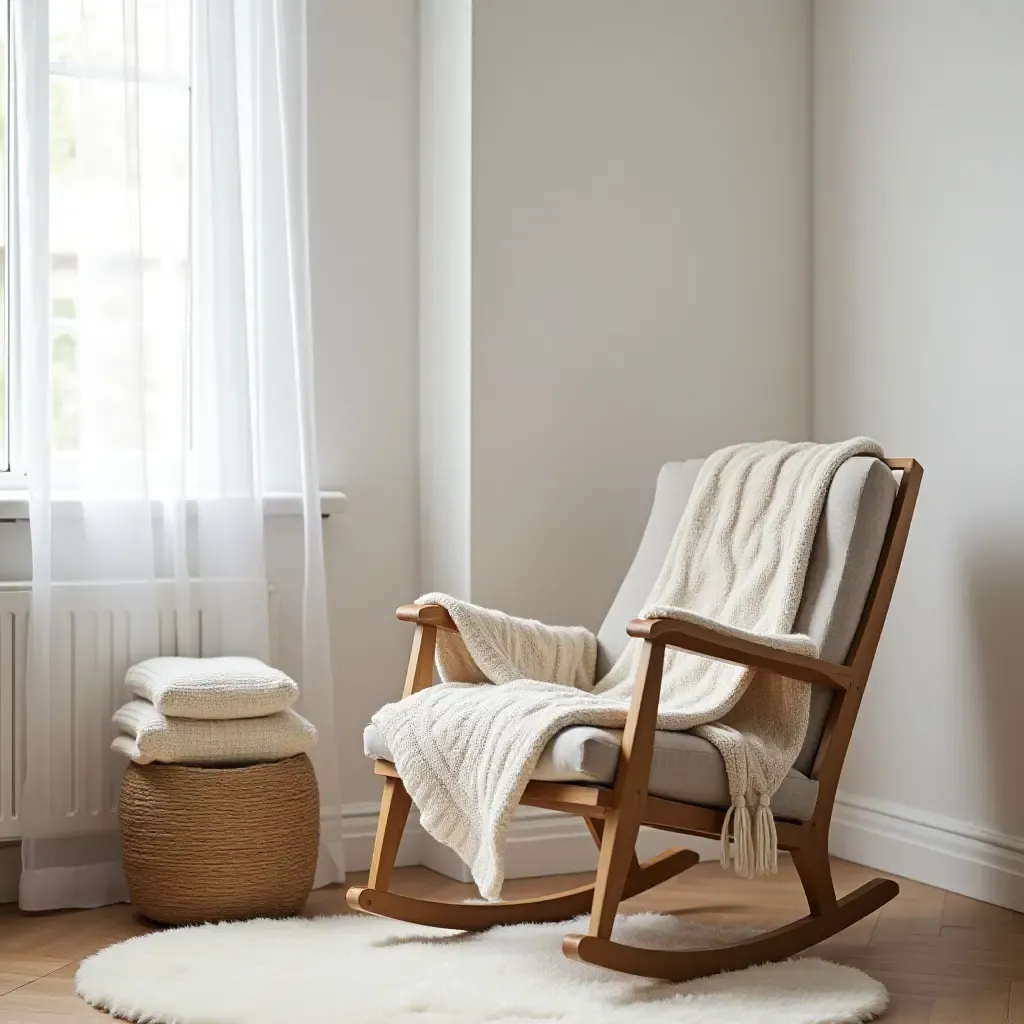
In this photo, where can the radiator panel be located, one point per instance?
(97, 631)
(14, 608)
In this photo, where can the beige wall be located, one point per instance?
(363, 100)
(919, 186)
(445, 286)
(640, 271)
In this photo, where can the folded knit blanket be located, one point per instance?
(738, 559)
(147, 736)
(229, 687)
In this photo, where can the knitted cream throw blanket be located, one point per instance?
(737, 561)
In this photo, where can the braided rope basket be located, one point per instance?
(219, 844)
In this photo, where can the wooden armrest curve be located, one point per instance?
(689, 636)
(427, 615)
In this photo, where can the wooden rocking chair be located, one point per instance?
(675, 781)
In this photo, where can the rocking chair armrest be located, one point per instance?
(427, 615)
(700, 639)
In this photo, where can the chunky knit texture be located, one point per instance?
(737, 563)
(497, 648)
(229, 687)
(147, 735)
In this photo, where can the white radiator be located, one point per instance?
(14, 606)
(98, 631)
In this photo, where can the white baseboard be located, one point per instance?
(930, 848)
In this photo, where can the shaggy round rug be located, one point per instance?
(365, 969)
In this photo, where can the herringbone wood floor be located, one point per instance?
(946, 959)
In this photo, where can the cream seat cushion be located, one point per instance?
(685, 767)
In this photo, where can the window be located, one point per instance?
(119, 214)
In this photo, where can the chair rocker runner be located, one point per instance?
(659, 779)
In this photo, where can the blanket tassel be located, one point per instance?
(766, 839)
(742, 847)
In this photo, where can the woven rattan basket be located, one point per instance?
(219, 844)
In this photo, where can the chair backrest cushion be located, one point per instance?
(843, 561)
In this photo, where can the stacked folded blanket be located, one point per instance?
(210, 711)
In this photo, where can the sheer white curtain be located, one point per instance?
(160, 298)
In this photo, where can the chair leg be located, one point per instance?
(615, 864)
(622, 822)
(595, 826)
(394, 812)
(812, 865)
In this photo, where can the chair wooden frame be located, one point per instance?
(614, 814)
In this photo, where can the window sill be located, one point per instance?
(14, 505)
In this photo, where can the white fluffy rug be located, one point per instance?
(365, 969)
